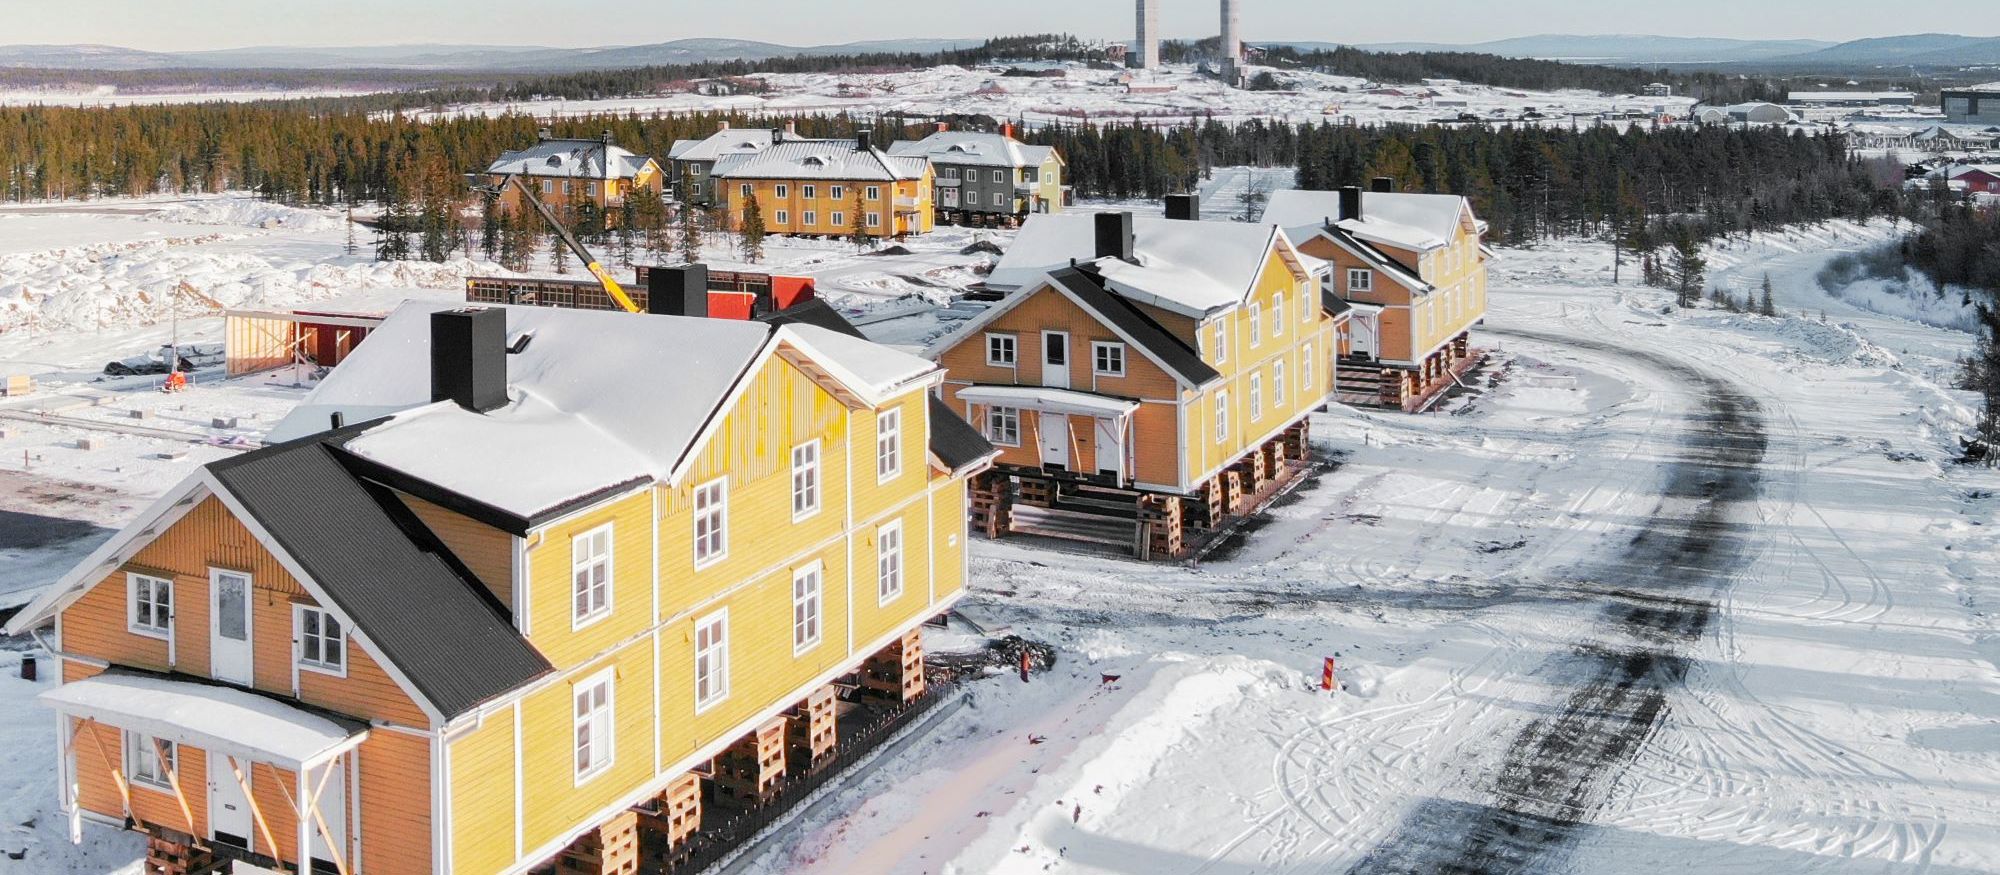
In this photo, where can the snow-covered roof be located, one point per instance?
(819, 159)
(1417, 222)
(728, 141)
(208, 716)
(1845, 96)
(975, 148)
(1048, 400)
(1959, 170)
(597, 399)
(586, 159)
(1192, 268)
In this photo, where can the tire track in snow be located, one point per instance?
(1659, 595)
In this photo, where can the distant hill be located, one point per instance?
(1922, 50)
(446, 57)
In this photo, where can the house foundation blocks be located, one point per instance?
(814, 730)
(748, 772)
(176, 856)
(992, 503)
(896, 672)
(611, 849)
(1162, 523)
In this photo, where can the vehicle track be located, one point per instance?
(1658, 597)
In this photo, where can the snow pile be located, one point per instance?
(252, 214)
(131, 283)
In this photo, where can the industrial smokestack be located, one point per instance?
(1147, 52)
(1232, 44)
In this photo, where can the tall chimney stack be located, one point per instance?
(469, 357)
(677, 291)
(1147, 53)
(1232, 44)
(1350, 203)
(1114, 235)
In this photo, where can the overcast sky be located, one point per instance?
(207, 24)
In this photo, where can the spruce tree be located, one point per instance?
(752, 232)
(489, 227)
(690, 241)
(1765, 306)
(351, 247)
(1687, 267)
(864, 239)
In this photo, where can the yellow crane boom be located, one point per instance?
(590, 262)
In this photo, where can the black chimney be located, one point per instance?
(1184, 206)
(863, 141)
(677, 291)
(1114, 235)
(1350, 202)
(1383, 184)
(469, 358)
(777, 136)
(607, 138)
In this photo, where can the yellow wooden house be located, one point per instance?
(1167, 363)
(571, 172)
(825, 187)
(509, 573)
(1410, 272)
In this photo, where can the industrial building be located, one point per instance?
(1979, 104)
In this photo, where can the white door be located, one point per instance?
(1054, 435)
(948, 196)
(228, 808)
(1055, 359)
(1111, 446)
(332, 806)
(229, 635)
(1364, 335)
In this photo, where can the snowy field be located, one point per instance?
(1765, 508)
(1169, 94)
(108, 95)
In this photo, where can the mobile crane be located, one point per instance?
(590, 261)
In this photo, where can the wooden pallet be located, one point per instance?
(1039, 493)
(896, 672)
(814, 728)
(166, 856)
(991, 506)
(1163, 523)
(610, 849)
(680, 807)
(748, 772)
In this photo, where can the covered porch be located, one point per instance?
(211, 773)
(1057, 430)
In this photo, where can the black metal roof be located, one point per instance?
(953, 440)
(1332, 302)
(404, 591)
(1123, 315)
(813, 312)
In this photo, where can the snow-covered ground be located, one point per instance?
(1838, 710)
(108, 95)
(1172, 93)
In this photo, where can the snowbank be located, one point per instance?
(252, 214)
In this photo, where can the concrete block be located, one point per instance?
(85, 444)
(223, 422)
(139, 414)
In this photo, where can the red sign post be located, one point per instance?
(1326, 676)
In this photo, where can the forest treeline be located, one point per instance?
(1528, 182)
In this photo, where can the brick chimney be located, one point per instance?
(943, 126)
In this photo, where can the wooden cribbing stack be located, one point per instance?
(896, 672)
(814, 731)
(748, 772)
(176, 855)
(611, 849)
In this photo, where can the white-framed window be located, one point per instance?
(321, 640)
(873, 192)
(1278, 314)
(144, 763)
(1360, 279)
(888, 444)
(1256, 397)
(781, 190)
(999, 199)
(548, 186)
(711, 660)
(1256, 323)
(1221, 417)
(805, 480)
(151, 601)
(1306, 366)
(591, 715)
(999, 176)
(590, 575)
(949, 172)
(1002, 350)
(807, 607)
(839, 219)
(1003, 426)
(838, 191)
(784, 218)
(874, 220)
(748, 191)
(809, 190)
(1107, 359)
(1221, 341)
(1278, 384)
(809, 218)
(889, 561)
(711, 521)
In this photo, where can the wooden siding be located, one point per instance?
(795, 205)
(395, 795)
(1304, 322)
(1413, 325)
(488, 552)
(551, 586)
(482, 795)
(552, 800)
